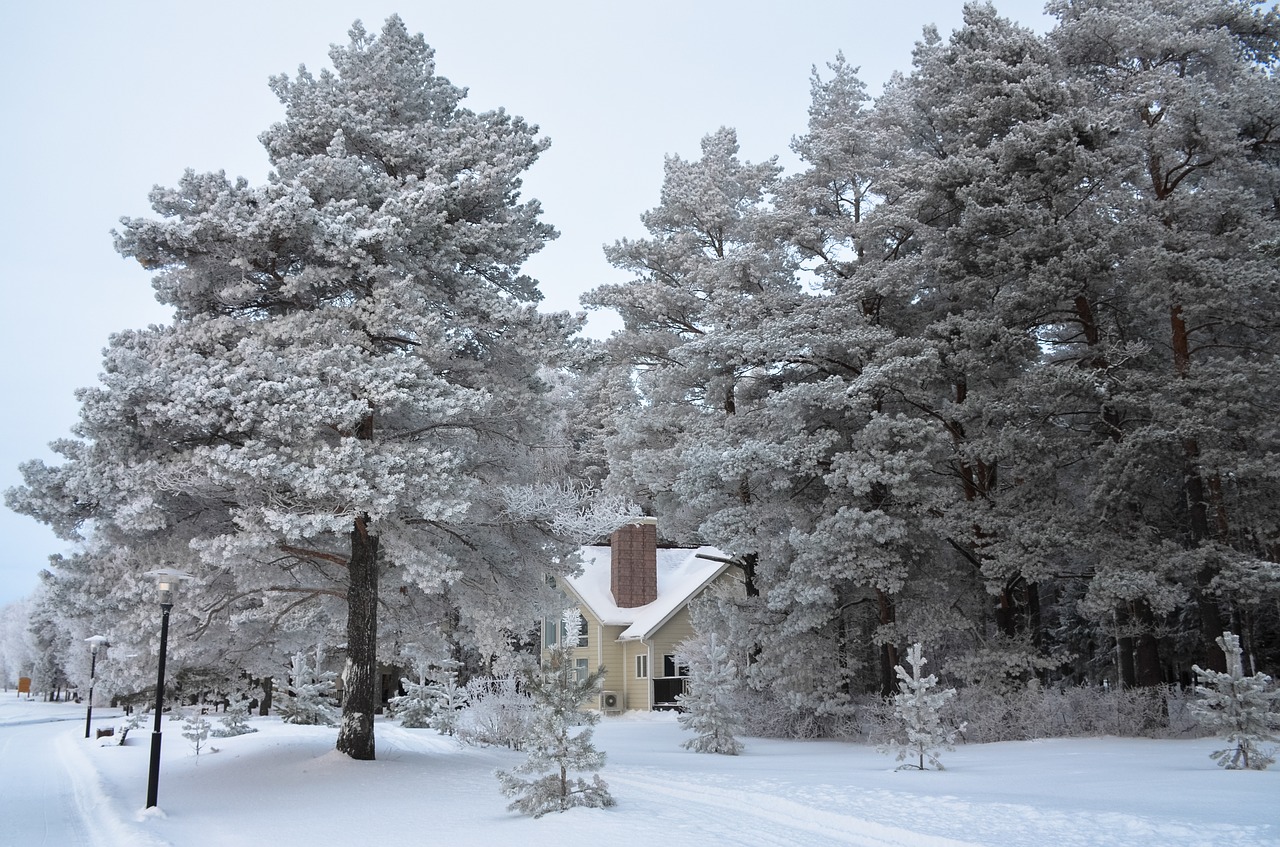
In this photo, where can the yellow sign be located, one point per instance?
(24, 685)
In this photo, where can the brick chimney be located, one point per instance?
(633, 563)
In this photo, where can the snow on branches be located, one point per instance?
(557, 755)
(1239, 708)
(918, 710)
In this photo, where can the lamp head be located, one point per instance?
(167, 580)
(97, 641)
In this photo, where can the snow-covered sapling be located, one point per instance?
(917, 709)
(195, 728)
(1239, 708)
(448, 698)
(556, 754)
(235, 721)
(708, 709)
(413, 707)
(308, 700)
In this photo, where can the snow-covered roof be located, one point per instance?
(681, 575)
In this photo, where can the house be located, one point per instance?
(634, 600)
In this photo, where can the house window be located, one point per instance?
(673, 667)
(555, 632)
(580, 669)
(642, 666)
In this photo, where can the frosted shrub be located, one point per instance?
(1238, 708)
(709, 708)
(497, 713)
(1076, 711)
(559, 745)
(917, 708)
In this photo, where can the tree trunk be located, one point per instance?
(264, 707)
(1147, 655)
(888, 650)
(1124, 649)
(360, 679)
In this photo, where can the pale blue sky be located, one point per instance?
(103, 100)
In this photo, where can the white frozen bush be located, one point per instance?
(498, 713)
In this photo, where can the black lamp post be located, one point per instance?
(166, 580)
(96, 642)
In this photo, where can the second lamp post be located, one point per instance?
(166, 580)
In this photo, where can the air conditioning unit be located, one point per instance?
(610, 701)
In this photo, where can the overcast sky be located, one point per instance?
(101, 101)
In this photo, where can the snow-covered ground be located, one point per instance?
(285, 786)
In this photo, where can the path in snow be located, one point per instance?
(43, 804)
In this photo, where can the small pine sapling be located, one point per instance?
(413, 707)
(1237, 707)
(555, 752)
(196, 728)
(448, 699)
(917, 709)
(708, 709)
(235, 721)
(309, 699)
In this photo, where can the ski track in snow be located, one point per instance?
(782, 821)
(809, 819)
(96, 807)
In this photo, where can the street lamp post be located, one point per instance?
(166, 580)
(96, 642)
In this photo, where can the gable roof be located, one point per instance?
(681, 575)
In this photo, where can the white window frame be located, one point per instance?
(642, 666)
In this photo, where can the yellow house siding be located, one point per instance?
(678, 629)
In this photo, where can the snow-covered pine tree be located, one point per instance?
(1239, 708)
(708, 707)
(350, 389)
(447, 698)
(559, 746)
(917, 709)
(413, 707)
(235, 721)
(196, 729)
(308, 699)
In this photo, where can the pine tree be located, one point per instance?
(1241, 709)
(309, 697)
(196, 729)
(413, 707)
(917, 708)
(708, 708)
(235, 721)
(556, 753)
(447, 698)
(350, 389)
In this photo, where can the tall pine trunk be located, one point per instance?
(355, 737)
